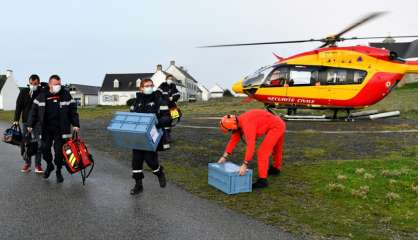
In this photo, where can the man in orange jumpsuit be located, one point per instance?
(249, 126)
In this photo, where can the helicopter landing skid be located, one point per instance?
(363, 115)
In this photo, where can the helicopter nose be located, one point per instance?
(237, 87)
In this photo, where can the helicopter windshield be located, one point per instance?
(257, 78)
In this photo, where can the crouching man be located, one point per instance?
(249, 126)
(55, 111)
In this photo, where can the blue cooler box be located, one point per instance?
(226, 178)
(135, 130)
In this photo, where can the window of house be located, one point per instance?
(107, 98)
(115, 83)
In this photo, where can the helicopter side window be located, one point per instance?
(336, 76)
(359, 76)
(300, 76)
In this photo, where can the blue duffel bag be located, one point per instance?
(13, 135)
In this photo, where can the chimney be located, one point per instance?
(159, 67)
(9, 73)
(172, 62)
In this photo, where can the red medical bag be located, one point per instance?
(77, 158)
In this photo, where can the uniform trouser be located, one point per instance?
(138, 158)
(37, 135)
(53, 138)
(272, 143)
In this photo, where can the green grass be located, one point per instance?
(353, 199)
(85, 113)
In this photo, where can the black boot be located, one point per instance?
(273, 171)
(138, 188)
(261, 183)
(48, 170)
(60, 178)
(161, 177)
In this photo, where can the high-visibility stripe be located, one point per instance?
(136, 171)
(158, 169)
(67, 103)
(166, 146)
(41, 104)
(66, 135)
(163, 107)
(176, 94)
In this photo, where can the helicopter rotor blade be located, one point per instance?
(362, 38)
(361, 21)
(261, 43)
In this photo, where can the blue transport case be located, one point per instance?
(135, 130)
(226, 178)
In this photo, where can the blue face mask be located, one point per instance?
(148, 90)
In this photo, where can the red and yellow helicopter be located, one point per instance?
(330, 77)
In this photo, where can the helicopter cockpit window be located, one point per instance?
(257, 78)
(278, 77)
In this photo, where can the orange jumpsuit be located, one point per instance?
(254, 124)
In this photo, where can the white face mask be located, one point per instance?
(148, 90)
(169, 81)
(56, 89)
(33, 87)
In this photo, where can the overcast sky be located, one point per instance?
(82, 40)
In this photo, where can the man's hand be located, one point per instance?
(30, 129)
(243, 169)
(223, 158)
(76, 129)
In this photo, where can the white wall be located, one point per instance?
(9, 93)
(122, 98)
(188, 83)
(1, 102)
(216, 95)
(158, 78)
(91, 100)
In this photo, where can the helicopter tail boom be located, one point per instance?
(412, 67)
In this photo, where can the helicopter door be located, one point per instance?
(299, 83)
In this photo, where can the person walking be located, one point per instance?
(169, 92)
(148, 101)
(249, 126)
(23, 105)
(56, 112)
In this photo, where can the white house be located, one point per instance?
(84, 95)
(117, 89)
(190, 83)
(205, 93)
(217, 91)
(9, 91)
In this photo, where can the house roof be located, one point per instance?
(403, 49)
(217, 89)
(3, 79)
(186, 74)
(86, 89)
(127, 81)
